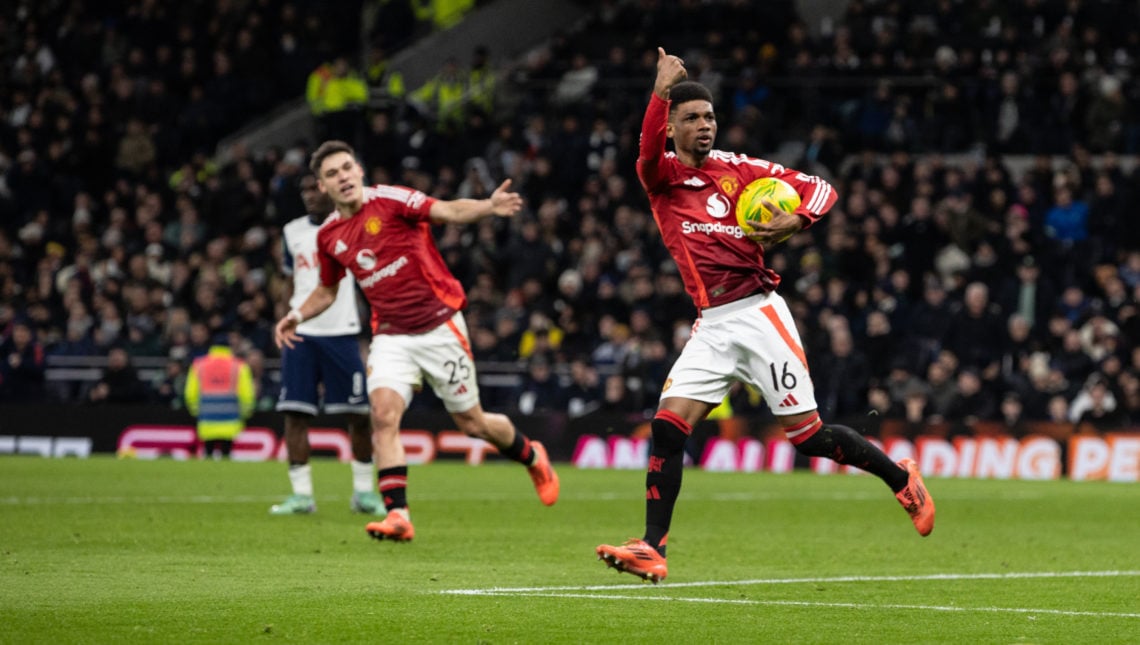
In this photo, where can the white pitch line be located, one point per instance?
(838, 605)
(784, 581)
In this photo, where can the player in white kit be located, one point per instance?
(329, 357)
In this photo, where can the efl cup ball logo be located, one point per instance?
(366, 260)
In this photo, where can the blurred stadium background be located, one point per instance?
(978, 277)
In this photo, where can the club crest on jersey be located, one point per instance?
(366, 259)
(668, 384)
(729, 185)
(372, 225)
(717, 205)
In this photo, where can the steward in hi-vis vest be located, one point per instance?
(220, 393)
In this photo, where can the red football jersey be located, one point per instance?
(695, 209)
(390, 250)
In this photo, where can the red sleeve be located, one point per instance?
(417, 204)
(816, 195)
(331, 270)
(652, 147)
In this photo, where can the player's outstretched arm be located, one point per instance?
(285, 333)
(502, 203)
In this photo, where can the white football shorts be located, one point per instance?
(752, 340)
(443, 355)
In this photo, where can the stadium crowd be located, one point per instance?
(946, 284)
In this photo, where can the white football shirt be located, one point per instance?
(300, 261)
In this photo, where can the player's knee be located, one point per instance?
(385, 420)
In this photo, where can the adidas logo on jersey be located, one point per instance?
(695, 182)
(462, 389)
(339, 247)
(788, 401)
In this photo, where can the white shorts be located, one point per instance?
(752, 340)
(443, 355)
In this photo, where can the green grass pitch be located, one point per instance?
(120, 551)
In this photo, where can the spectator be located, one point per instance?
(1095, 406)
(442, 98)
(540, 390)
(1066, 224)
(380, 76)
(1107, 115)
(23, 366)
(584, 394)
(1071, 360)
(1013, 421)
(843, 377)
(167, 388)
(336, 94)
(615, 397)
(120, 382)
(972, 403)
(941, 391)
(136, 150)
(931, 320)
(577, 82)
(976, 331)
(1028, 294)
(481, 82)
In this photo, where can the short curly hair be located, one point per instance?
(686, 91)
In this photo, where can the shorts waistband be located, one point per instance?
(755, 300)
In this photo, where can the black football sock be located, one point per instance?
(520, 450)
(393, 485)
(663, 479)
(848, 447)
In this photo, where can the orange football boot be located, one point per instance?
(916, 500)
(636, 557)
(394, 527)
(543, 475)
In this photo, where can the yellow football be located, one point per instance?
(750, 210)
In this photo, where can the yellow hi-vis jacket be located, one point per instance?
(443, 14)
(326, 92)
(220, 392)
